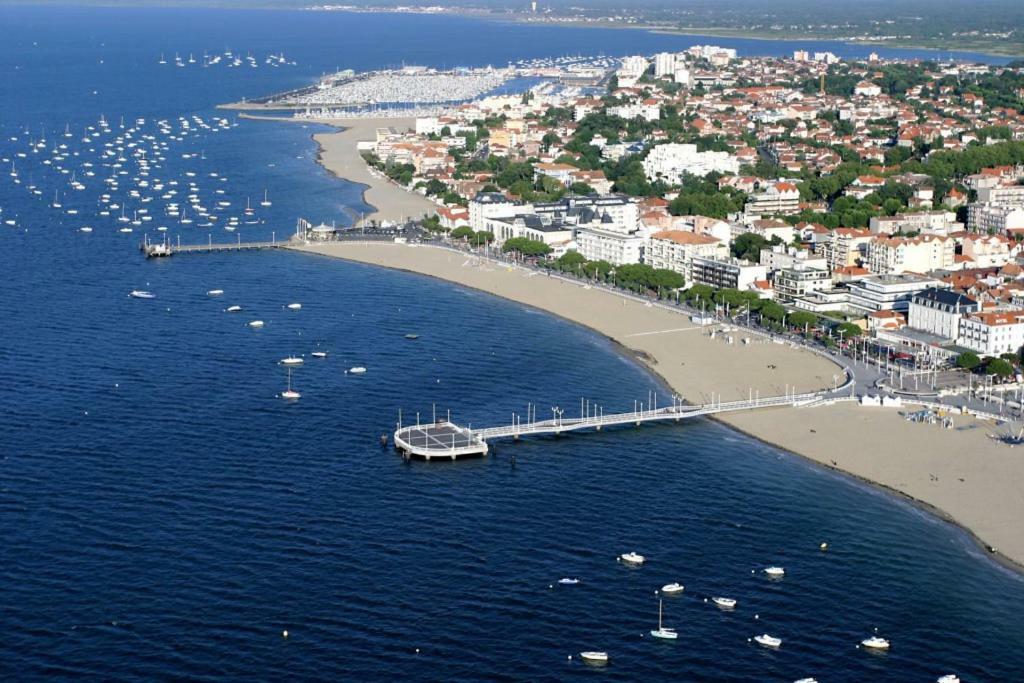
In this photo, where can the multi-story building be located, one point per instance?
(846, 247)
(552, 232)
(732, 273)
(891, 292)
(917, 255)
(670, 161)
(1007, 195)
(489, 205)
(791, 283)
(675, 250)
(931, 222)
(622, 210)
(939, 311)
(993, 218)
(993, 333)
(664, 64)
(778, 198)
(781, 257)
(988, 251)
(616, 246)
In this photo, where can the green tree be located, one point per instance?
(526, 247)
(802, 319)
(462, 232)
(748, 246)
(481, 238)
(848, 330)
(999, 367)
(968, 360)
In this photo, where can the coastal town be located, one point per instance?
(875, 200)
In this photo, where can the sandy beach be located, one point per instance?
(339, 155)
(961, 474)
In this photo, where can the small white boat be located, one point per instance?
(256, 323)
(85, 228)
(595, 657)
(214, 292)
(568, 582)
(767, 640)
(357, 370)
(663, 632)
(319, 354)
(632, 558)
(806, 680)
(727, 603)
(672, 588)
(875, 643)
(948, 678)
(141, 294)
(233, 309)
(289, 393)
(292, 360)
(775, 572)
(294, 307)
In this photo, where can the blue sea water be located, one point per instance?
(163, 515)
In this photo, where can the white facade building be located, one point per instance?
(664, 64)
(617, 247)
(993, 333)
(670, 161)
(995, 218)
(917, 255)
(675, 250)
(939, 311)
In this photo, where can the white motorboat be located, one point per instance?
(806, 680)
(775, 572)
(292, 360)
(663, 632)
(357, 370)
(568, 582)
(233, 309)
(672, 588)
(727, 603)
(214, 292)
(948, 678)
(141, 294)
(595, 657)
(256, 323)
(767, 640)
(632, 558)
(319, 354)
(294, 307)
(290, 393)
(875, 643)
(85, 228)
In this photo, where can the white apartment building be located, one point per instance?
(846, 247)
(887, 292)
(939, 311)
(993, 333)
(988, 251)
(781, 257)
(648, 111)
(615, 246)
(675, 250)
(1002, 194)
(670, 161)
(731, 273)
(778, 198)
(994, 218)
(931, 222)
(489, 205)
(683, 77)
(791, 283)
(664, 64)
(917, 255)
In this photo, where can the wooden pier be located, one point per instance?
(445, 439)
(165, 248)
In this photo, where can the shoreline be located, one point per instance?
(785, 429)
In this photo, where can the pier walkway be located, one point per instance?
(444, 439)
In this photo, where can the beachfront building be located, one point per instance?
(610, 243)
(780, 198)
(780, 257)
(791, 283)
(670, 161)
(552, 231)
(727, 272)
(675, 249)
(917, 255)
(939, 312)
(993, 333)
(490, 205)
(622, 211)
(892, 292)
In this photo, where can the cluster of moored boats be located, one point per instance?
(874, 642)
(120, 174)
(229, 59)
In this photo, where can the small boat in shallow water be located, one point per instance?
(594, 657)
(727, 603)
(672, 588)
(948, 678)
(319, 354)
(292, 360)
(568, 582)
(141, 294)
(256, 323)
(233, 309)
(662, 631)
(775, 572)
(358, 370)
(632, 558)
(294, 307)
(214, 292)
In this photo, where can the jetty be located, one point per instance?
(165, 248)
(444, 439)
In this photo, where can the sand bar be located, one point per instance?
(961, 474)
